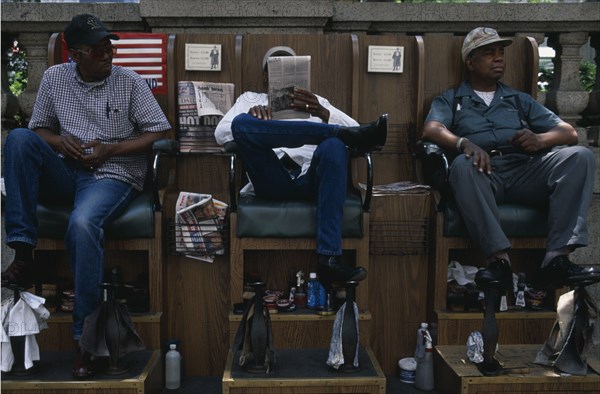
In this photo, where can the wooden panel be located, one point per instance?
(398, 284)
(514, 327)
(292, 333)
(395, 94)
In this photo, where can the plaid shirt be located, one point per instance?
(118, 108)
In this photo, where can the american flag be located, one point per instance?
(144, 53)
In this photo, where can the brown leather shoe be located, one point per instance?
(20, 272)
(83, 364)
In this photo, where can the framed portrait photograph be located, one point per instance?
(385, 59)
(203, 57)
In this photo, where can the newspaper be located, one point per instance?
(201, 106)
(199, 221)
(285, 73)
(403, 187)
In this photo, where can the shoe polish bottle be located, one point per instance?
(422, 334)
(173, 368)
(424, 379)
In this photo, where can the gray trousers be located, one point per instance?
(562, 179)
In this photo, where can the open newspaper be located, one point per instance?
(199, 221)
(285, 73)
(201, 106)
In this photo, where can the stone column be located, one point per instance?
(591, 115)
(36, 48)
(566, 97)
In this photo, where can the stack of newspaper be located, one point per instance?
(402, 187)
(201, 106)
(199, 221)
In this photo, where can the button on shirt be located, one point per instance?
(490, 127)
(118, 108)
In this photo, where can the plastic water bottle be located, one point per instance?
(424, 374)
(312, 291)
(173, 368)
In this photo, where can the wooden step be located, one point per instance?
(456, 374)
(53, 376)
(302, 371)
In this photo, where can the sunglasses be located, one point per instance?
(99, 52)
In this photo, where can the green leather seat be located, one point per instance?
(292, 219)
(136, 222)
(516, 221)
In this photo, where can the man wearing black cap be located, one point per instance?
(317, 146)
(511, 148)
(90, 131)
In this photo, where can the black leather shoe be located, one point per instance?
(331, 270)
(497, 275)
(560, 271)
(82, 368)
(366, 138)
(20, 273)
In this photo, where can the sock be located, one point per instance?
(498, 256)
(23, 251)
(554, 253)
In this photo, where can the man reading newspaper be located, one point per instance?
(307, 158)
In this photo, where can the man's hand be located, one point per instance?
(527, 141)
(70, 146)
(100, 153)
(479, 157)
(261, 112)
(303, 100)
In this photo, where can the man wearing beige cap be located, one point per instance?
(510, 148)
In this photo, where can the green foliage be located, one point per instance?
(587, 75)
(17, 69)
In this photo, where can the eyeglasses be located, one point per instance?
(99, 52)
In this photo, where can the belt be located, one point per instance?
(502, 151)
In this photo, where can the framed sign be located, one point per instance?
(385, 59)
(203, 57)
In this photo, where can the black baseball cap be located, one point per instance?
(86, 29)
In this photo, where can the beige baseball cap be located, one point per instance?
(277, 51)
(479, 37)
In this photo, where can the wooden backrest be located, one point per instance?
(445, 69)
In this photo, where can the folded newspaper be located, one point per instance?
(286, 73)
(199, 221)
(402, 187)
(201, 106)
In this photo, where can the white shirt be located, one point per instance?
(302, 155)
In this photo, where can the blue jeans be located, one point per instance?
(326, 180)
(32, 172)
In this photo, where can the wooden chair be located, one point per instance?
(140, 227)
(524, 225)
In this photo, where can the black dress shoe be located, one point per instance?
(368, 137)
(560, 271)
(20, 273)
(497, 275)
(82, 368)
(331, 270)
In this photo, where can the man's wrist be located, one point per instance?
(460, 142)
